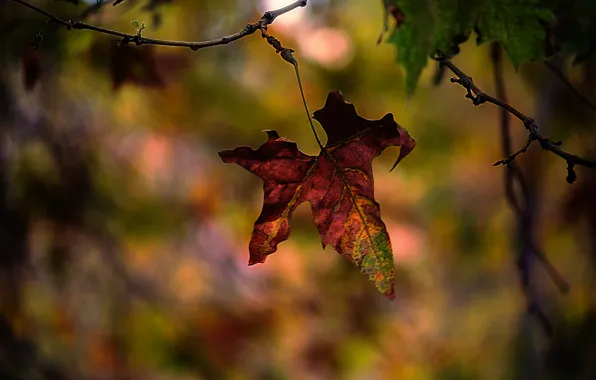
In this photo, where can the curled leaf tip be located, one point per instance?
(272, 134)
(406, 147)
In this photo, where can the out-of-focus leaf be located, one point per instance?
(517, 24)
(454, 21)
(137, 65)
(31, 68)
(338, 184)
(425, 26)
(413, 38)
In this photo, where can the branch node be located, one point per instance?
(571, 175)
(465, 81)
(124, 41)
(286, 54)
(530, 124)
(250, 28)
(479, 99)
(267, 18)
(507, 161)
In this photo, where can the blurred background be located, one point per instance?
(124, 238)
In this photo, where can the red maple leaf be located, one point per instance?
(338, 183)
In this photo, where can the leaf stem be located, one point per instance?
(287, 55)
(312, 127)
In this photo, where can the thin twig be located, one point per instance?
(385, 23)
(553, 273)
(267, 18)
(478, 97)
(513, 174)
(511, 156)
(559, 74)
(272, 15)
(522, 208)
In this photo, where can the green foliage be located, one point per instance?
(441, 25)
(413, 39)
(454, 23)
(518, 25)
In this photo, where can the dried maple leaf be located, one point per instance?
(338, 183)
(137, 65)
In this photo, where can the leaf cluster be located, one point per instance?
(529, 30)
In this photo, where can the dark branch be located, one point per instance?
(272, 15)
(478, 97)
(552, 272)
(559, 74)
(522, 205)
(511, 156)
(267, 18)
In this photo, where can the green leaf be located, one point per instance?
(517, 25)
(413, 39)
(546, 15)
(135, 24)
(520, 25)
(454, 23)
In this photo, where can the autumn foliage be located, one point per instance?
(338, 184)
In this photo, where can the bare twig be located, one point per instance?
(267, 18)
(553, 273)
(559, 74)
(385, 23)
(522, 208)
(511, 156)
(270, 16)
(478, 97)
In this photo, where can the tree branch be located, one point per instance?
(559, 74)
(478, 97)
(267, 18)
(522, 205)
